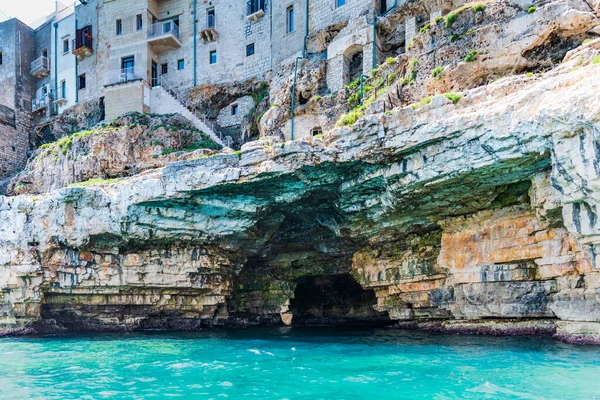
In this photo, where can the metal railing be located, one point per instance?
(162, 28)
(255, 6)
(211, 21)
(121, 76)
(40, 64)
(183, 99)
(41, 102)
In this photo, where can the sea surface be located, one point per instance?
(296, 363)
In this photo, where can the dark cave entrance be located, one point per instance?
(334, 300)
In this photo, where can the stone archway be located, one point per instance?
(353, 63)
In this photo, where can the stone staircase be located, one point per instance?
(167, 100)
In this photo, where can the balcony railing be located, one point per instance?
(164, 36)
(255, 6)
(121, 76)
(255, 10)
(211, 21)
(41, 103)
(40, 67)
(209, 33)
(163, 28)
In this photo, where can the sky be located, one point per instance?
(27, 11)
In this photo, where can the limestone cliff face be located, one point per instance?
(479, 215)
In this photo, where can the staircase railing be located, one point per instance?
(183, 99)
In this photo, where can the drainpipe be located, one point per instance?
(76, 63)
(374, 41)
(56, 62)
(375, 31)
(195, 39)
(306, 30)
(294, 96)
(362, 76)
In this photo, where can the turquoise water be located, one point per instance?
(295, 363)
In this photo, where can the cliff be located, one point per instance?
(471, 215)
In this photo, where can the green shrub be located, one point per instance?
(378, 82)
(319, 136)
(350, 118)
(276, 104)
(478, 8)
(317, 98)
(354, 84)
(471, 56)
(439, 19)
(437, 71)
(596, 60)
(529, 75)
(92, 182)
(424, 101)
(373, 72)
(450, 19)
(453, 97)
(391, 78)
(413, 63)
(531, 10)
(424, 28)
(390, 60)
(586, 41)
(454, 37)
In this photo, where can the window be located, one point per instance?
(119, 27)
(65, 46)
(63, 90)
(250, 49)
(213, 57)
(234, 109)
(290, 19)
(339, 3)
(164, 68)
(180, 64)
(210, 18)
(139, 22)
(44, 53)
(81, 81)
(0, 58)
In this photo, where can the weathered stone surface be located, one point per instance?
(127, 146)
(442, 217)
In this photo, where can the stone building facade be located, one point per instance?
(17, 88)
(123, 50)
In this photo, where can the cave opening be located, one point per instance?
(334, 300)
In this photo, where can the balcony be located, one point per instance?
(39, 105)
(82, 46)
(40, 68)
(164, 36)
(209, 34)
(121, 76)
(256, 10)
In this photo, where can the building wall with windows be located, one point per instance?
(86, 16)
(288, 31)
(18, 86)
(187, 43)
(63, 70)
